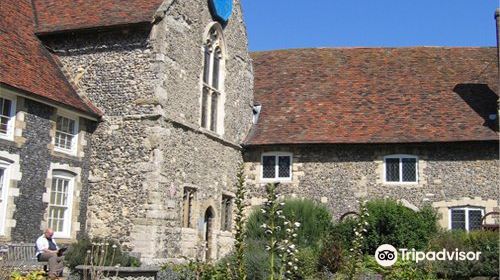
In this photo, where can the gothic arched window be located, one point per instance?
(212, 98)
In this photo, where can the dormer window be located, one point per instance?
(212, 98)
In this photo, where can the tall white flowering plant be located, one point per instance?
(355, 255)
(281, 235)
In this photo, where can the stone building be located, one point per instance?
(173, 83)
(419, 125)
(129, 121)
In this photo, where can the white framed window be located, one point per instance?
(466, 218)
(4, 192)
(66, 137)
(212, 98)
(276, 167)
(7, 116)
(400, 169)
(61, 203)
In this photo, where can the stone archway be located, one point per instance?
(208, 223)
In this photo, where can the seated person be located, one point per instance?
(48, 251)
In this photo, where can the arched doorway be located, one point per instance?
(208, 228)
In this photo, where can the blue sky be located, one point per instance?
(280, 24)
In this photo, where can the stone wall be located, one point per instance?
(149, 145)
(342, 175)
(26, 208)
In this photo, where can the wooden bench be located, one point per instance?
(21, 255)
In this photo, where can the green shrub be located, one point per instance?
(195, 270)
(256, 259)
(315, 220)
(478, 241)
(389, 222)
(308, 263)
(108, 253)
(401, 270)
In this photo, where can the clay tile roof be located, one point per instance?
(375, 95)
(63, 15)
(26, 65)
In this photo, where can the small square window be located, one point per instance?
(466, 218)
(276, 167)
(401, 169)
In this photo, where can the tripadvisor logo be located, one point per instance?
(386, 255)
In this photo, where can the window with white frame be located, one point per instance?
(276, 166)
(211, 99)
(466, 218)
(66, 138)
(4, 190)
(7, 113)
(60, 203)
(401, 169)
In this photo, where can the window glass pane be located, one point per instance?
(215, 71)
(409, 169)
(213, 107)
(5, 114)
(284, 166)
(204, 107)
(475, 219)
(269, 167)
(71, 127)
(6, 107)
(458, 219)
(1, 180)
(392, 169)
(4, 121)
(206, 66)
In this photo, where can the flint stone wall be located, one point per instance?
(35, 159)
(149, 145)
(342, 175)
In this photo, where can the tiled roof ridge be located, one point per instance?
(80, 15)
(371, 48)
